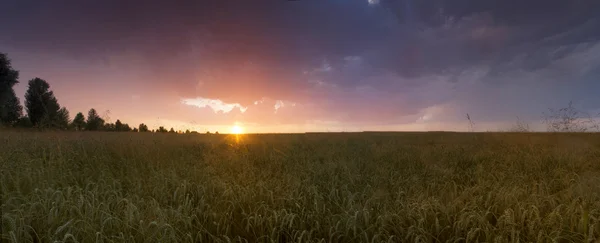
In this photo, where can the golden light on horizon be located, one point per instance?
(236, 129)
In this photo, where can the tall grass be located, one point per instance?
(364, 187)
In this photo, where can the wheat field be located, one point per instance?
(347, 187)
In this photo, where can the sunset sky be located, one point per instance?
(310, 65)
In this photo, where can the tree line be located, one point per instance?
(44, 111)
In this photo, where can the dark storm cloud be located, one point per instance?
(463, 32)
(281, 37)
(268, 29)
(299, 34)
(556, 14)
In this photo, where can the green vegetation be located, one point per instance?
(356, 187)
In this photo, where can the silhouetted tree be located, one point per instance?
(109, 127)
(161, 129)
(118, 125)
(187, 131)
(23, 122)
(134, 130)
(125, 128)
(10, 107)
(172, 131)
(94, 122)
(42, 106)
(62, 119)
(143, 128)
(78, 122)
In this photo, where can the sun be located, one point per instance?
(237, 129)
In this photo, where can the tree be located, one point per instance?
(42, 106)
(172, 130)
(62, 119)
(23, 122)
(187, 131)
(125, 128)
(10, 107)
(161, 129)
(569, 119)
(94, 122)
(118, 125)
(78, 122)
(134, 130)
(109, 127)
(143, 128)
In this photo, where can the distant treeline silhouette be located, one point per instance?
(44, 111)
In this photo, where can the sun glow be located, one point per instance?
(237, 129)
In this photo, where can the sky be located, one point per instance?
(310, 65)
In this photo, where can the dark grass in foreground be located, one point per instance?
(362, 187)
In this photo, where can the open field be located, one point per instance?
(354, 187)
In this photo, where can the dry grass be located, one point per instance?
(369, 187)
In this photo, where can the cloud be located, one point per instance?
(259, 101)
(215, 105)
(278, 104)
(436, 12)
(373, 2)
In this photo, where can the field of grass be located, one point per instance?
(354, 187)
